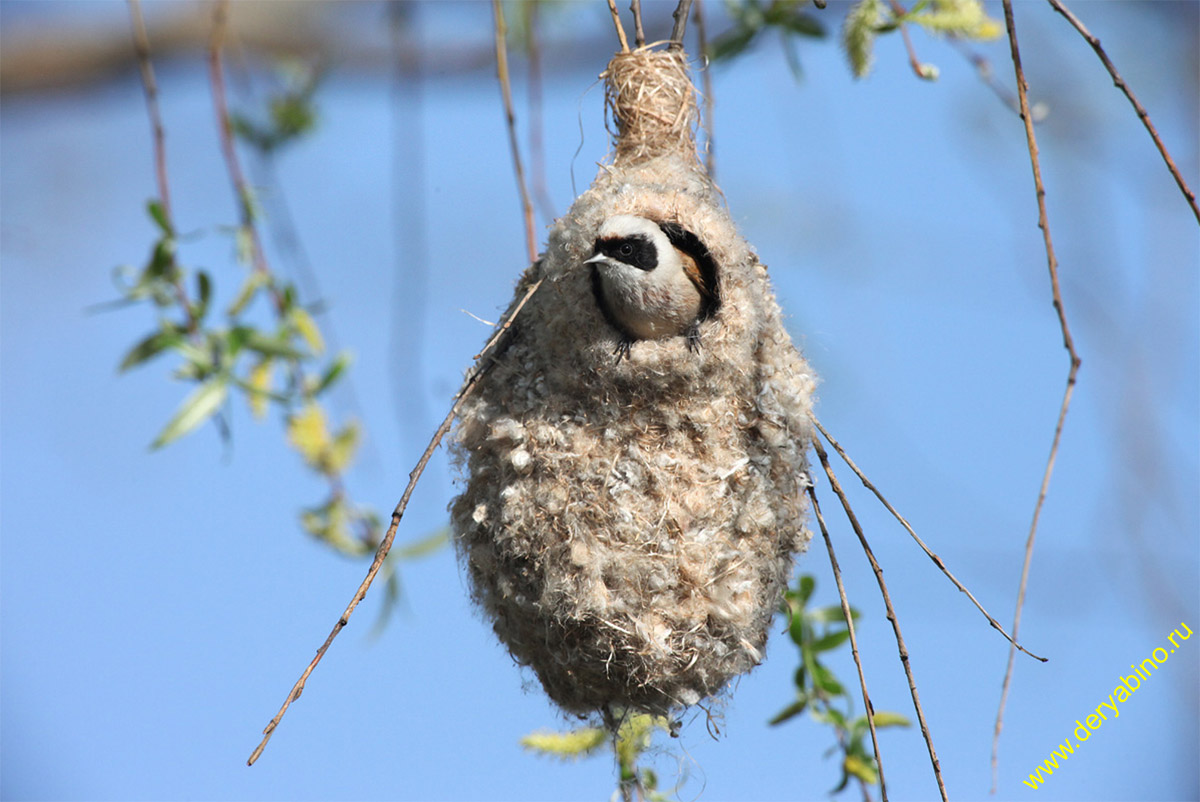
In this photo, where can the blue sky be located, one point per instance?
(156, 607)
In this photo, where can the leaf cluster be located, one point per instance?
(866, 19)
(633, 737)
(753, 18)
(816, 632)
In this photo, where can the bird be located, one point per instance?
(652, 280)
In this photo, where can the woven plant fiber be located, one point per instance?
(628, 525)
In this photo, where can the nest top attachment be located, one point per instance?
(653, 103)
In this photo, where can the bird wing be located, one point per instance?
(692, 270)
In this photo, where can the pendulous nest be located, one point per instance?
(629, 525)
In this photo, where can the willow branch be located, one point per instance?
(681, 15)
(908, 527)
(891, 612)
(511, 119)
(639, 35)
(141, 46)
(616, 18)
(1142, 114)
(862, 679)
(537, 148)
(1068, 344)
(385, 545)
(710, 157)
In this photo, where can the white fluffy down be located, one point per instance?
(629, 526)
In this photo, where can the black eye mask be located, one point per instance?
(636, 250)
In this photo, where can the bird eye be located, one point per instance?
(626, 249)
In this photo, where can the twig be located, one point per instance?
(862, 679)
(983, 68)
(141, 46)
(537, 149)
(891, 612)
(511, 119)
(913, 61)
(1068, 343)
(680, 14)
(710, 157)
(385, 545)
(639, 35)
(616, 18)
(241, 188)
(1142, 114)
(903, 522)
(141, 43)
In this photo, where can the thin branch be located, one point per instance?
(537, 148)
(385, 545)
(680, 14)
(710, 157)
(1068, 343)
(891, 612)
(639, 35)
(141, 45)
(862, 679)
(913, 61)
(241, 189)
(616, 18)
(511, 119)
(1142, 114)
(983, 68)
(903, 522)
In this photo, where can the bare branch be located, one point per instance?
(1068, 343)
(862, 679)
(903, 522)
(680, 14)
(141, 45)
(511, 118)
(1142, 114)
(639, 35)
(710, 157)
(891, 612)
(385, 545)
(616, 18)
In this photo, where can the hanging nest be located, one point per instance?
(629, 525)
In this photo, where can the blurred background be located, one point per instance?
(157, 606)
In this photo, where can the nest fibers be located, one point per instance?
(629, 524)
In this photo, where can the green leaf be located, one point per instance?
(150, 347)
(824, 679)
(159, 215)
(731, 44)
(333, 372)
(307, 327)
(794, 709)
(250, 287)
(162, 260)
(831, 614)
(803, 25)
(203, 292)
(259, 383)
(195, 410)
(271, 346)
(831, 715)
(831, 641)
(864, 770)
(566, 745)
(807, 583)
(884, 718)
(424, 546)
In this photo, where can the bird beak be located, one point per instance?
(595, 259)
